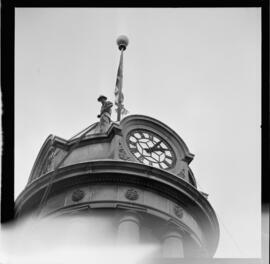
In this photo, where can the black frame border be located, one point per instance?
(7, 83)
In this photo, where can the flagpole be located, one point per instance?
(119, 101)
(122, 43)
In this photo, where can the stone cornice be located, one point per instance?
(131, 173)
(98, 138)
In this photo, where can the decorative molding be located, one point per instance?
(151, 122)
(49, 160)
(129, 173)
(132, 194)
(122, 153)
(77, 195)
(179, 212)
(181, 173)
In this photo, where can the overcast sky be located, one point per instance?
(195, 69)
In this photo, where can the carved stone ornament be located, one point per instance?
(181, 173)
(122, 153)
(49, 161)
(132, 194)
(77, 195)
(179, 212)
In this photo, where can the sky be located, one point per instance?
(198, 70)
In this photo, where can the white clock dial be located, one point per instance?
(151, 149)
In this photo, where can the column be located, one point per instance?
(129, 229)
(172, 246)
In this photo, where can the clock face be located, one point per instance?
(151, 149)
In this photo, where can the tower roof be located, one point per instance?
(90, 144)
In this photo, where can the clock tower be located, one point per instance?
(134, 172)
(137, 173)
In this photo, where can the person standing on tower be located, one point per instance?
(105, 113)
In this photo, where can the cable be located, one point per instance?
(225, 228)
(83, 131)
(234, 241)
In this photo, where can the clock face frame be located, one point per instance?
(150, 149)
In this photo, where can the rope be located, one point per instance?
(225, 228)
(229, 234)
(83, 131)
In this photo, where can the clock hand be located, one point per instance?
(148, 150)
(154, 147)
(157, 144)
(159, 149)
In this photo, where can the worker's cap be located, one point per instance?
(101, 97)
